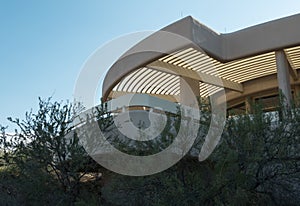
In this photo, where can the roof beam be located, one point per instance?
(202, 77)
(171, 98)
(292, 67)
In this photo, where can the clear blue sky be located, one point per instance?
(43, 44)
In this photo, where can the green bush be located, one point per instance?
(257, 162)
(45, 156)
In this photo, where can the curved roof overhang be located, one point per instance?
(154, 64)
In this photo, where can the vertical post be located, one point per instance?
(248, 104)
(296, 93)
(283, 77)
(189, 89)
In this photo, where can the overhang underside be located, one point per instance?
(162, 77)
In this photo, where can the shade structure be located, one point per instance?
(244, 62)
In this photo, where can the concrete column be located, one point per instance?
(189, 90)
(283, 76)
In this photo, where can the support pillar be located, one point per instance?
(297, 94)
(248, 105)
(189, 91)
(283, 77)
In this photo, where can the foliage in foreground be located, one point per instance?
(45, 155)
(257, 162)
